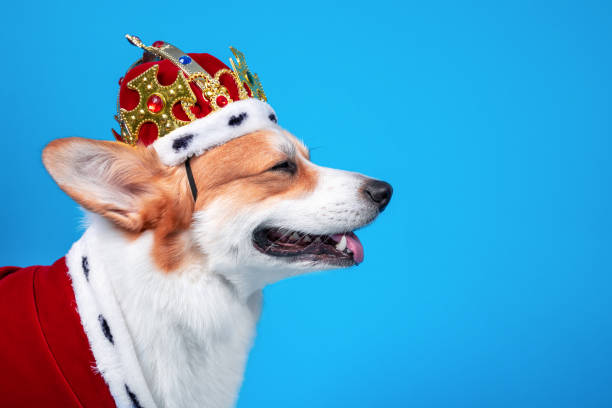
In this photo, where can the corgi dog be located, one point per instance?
(165, 285)
(188, 276)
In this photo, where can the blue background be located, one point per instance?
(486, 281)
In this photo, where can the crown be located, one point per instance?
(157, 103)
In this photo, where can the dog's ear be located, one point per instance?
(117, 181)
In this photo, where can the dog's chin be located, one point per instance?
(339, 249)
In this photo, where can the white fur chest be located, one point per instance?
(189, 330)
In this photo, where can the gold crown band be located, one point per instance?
(169, 52)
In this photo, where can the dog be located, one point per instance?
(165, 286)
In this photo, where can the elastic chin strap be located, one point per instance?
(192, 184)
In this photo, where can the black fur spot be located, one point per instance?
(106, 329)
(135, 402)
(272, 117)
(237, 120)
(181, 143)
(85, 264)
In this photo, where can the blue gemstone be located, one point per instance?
(185, 60)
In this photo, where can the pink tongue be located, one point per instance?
(352, 243)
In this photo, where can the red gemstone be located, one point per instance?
(155, 103)
(158, 44)
(221, 101)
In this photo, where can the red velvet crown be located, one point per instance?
(235, 84)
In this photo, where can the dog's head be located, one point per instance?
(263, 212)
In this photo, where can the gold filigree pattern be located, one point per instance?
(211, 88)
(242, 92)
(146, 85)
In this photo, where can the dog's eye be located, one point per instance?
(287, 166)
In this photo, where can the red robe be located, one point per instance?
(45, 358)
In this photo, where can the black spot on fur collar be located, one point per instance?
(85, 264)
(106, 329)
(272, 117)
(181, 143)
(133, 398)
(238, 119)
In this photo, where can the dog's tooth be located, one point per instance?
(295, 236)
(307, 238)
(341, 246)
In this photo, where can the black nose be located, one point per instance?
(379, 192)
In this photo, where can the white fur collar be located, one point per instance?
(105, 327)
(159, 340)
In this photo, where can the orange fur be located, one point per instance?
(238, 169)
(159, 195)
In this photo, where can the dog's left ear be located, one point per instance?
(117, 181)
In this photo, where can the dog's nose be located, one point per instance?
(378, 191)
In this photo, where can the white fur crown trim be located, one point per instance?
(236, 119)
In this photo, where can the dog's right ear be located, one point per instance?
(109, 178)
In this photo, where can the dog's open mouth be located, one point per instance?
(337, 249)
